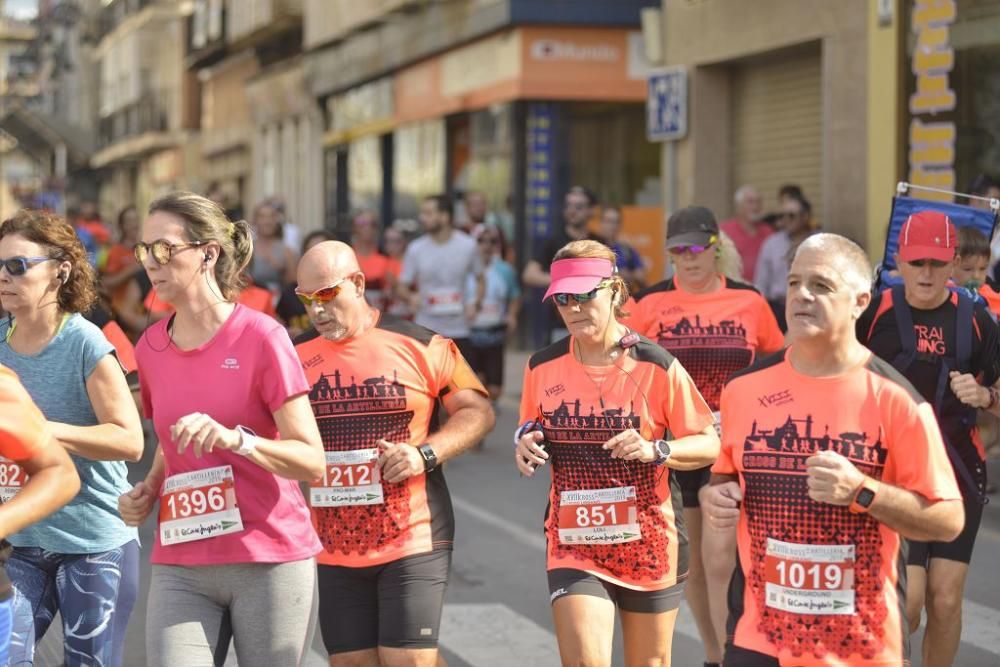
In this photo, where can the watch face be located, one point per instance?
(865, 497)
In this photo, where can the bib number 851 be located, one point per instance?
(596, 515)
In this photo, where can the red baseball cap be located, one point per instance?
(927, 235)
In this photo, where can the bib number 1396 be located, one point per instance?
(199, 504)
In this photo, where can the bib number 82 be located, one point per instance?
(197, 501)
(814, 577)
(11, 474)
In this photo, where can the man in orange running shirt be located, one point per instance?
(829, 459)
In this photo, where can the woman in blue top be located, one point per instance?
(82, 561)
(493, 300)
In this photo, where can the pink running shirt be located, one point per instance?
(242, 375)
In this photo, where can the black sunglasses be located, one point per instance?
(18, 266)
(562, 298)
(161, 250)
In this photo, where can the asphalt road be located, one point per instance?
(497, 609)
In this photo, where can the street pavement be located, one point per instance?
(497, 606)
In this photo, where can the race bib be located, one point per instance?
(717, 422)
(199, 504)
(12, 478)
(809, 578)
(600, 516)
(350, 478)
(444, 302)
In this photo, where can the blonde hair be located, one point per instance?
(204, 220)
(728, 260)
(597, 250)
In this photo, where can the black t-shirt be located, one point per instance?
(291, 311)
(547, 251)
(936, 335)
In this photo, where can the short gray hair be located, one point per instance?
(742, 192)
(853, 262)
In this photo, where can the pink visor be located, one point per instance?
(578, 275)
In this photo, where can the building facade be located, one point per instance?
(148, 103)
(515, 99)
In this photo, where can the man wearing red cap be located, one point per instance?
(947, 346)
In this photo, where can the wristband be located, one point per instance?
(248, 441)
(529, 425)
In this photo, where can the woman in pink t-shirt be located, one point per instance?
(233, 557)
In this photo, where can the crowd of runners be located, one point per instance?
(801, 460)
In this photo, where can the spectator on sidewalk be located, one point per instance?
(771, 276)
(630, 264)
(746, 228)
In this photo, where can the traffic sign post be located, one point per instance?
(666, 104)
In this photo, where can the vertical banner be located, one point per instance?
(538, 191)
(931, 139)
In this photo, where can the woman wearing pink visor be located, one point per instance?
(598, 405)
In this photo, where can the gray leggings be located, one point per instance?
(268, 609)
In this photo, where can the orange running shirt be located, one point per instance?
(581, 408)
(383, 384)
(713, 335)
(24, 431)
(817, 584)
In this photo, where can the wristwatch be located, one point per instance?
(248, 441)
(662, 450)
(430, 458)
(865, 496)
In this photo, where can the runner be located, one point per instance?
(494, 302)
(233, 554)
(435, 269)
(83, 561)
(829, 457)
(382, 508)
(714, 326)
(947, 346)
(598, 404)
(37, 478)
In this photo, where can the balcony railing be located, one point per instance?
(151, 113)
(115, 12)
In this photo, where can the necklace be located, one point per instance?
(598, 385)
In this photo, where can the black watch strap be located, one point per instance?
(430, 458)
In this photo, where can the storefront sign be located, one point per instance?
(361, 111)
(540, 171)
(666, 104)
(932, 142)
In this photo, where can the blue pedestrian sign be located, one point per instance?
(666, 104)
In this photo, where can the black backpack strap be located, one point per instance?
(961, 362)
(964, 325)
(904, 327)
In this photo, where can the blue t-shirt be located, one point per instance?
(501, 286)
(56, 378)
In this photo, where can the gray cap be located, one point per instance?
(692, 225)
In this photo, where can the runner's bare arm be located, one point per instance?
(118, 433)
(534, 275)
(470, 419)
(968, 390)
(694, 451)
(136, 504)
(52, 482)
(299, 454)
(916, 518)
(833, 479)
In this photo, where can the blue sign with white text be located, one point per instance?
(666, 104)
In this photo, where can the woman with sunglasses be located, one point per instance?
(234, 548)
(82, 561)
(714, 325)
(494, 301)
(599, 404)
